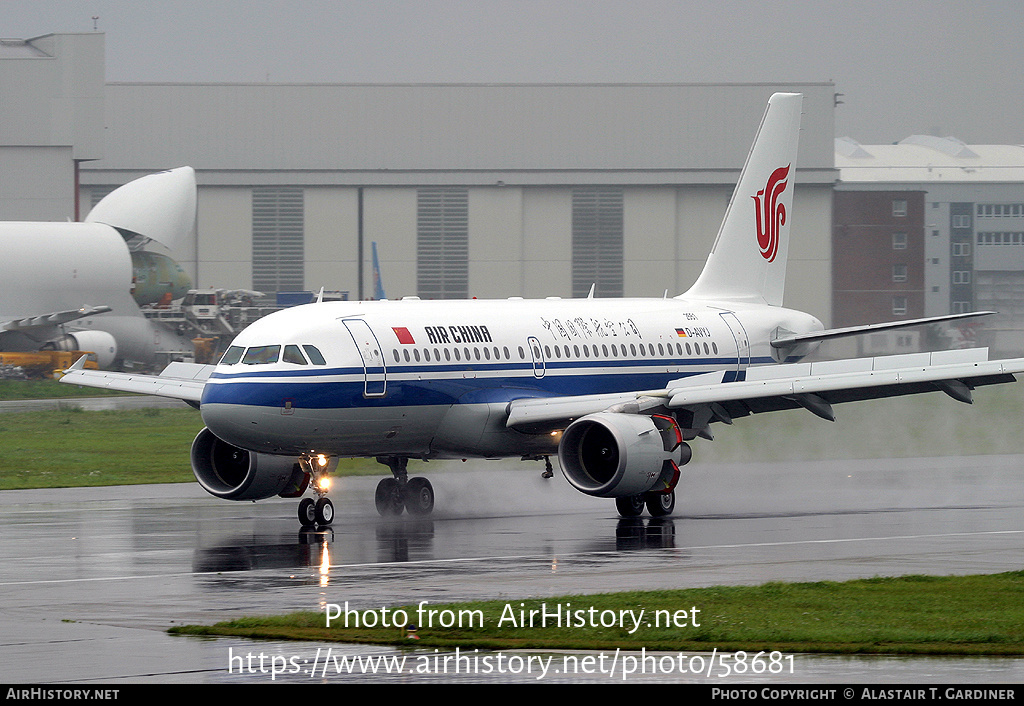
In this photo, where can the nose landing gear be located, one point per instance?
(320, 511)
(316, 512)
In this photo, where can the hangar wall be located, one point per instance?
(362, 159)
(519, 242)
(51, 118)
(479, 190)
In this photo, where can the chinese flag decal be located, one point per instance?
(403, 335)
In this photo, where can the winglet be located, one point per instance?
(78, 364)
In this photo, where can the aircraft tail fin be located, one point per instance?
(378, 283)
(748, 260)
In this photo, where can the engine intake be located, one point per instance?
(232, 473)
(610, 455)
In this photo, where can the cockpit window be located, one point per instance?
(232, 355)
(293, 355)
(314, 355)
(261, 355)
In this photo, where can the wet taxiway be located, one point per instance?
(90, 579)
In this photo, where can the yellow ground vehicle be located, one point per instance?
(46, 364)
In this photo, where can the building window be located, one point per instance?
(995, 238)
(961, 249)
(899, 241)
(962, 221)
(277, 239)
(1000, 210)
(899, 207)
(961, 307)
(899, 273)
(442, 243)
(961, 277)
(899, 306)
(597, 241)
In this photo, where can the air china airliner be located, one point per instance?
(615, 388)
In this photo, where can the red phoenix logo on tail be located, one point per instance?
(771, 215)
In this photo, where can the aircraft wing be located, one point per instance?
(812, 386)
(182, 381)
(52, 319)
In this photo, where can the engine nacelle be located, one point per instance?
(612, 455)
(233, 473)
(99, 342)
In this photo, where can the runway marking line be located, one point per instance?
(546, 558)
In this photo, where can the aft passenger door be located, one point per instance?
(374, 371)
(739, 335)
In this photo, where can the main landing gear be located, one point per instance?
(659, 504)
(401, 492)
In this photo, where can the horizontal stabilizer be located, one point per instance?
(797, 339)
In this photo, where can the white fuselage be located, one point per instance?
(435, 378)
(53, 267)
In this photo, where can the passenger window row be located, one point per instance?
(293, 354)
(576, 351)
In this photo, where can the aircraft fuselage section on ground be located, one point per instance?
(73, 286)
(422, 378)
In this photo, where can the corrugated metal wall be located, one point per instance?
(692, 133)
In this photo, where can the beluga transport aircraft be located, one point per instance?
(614, 387)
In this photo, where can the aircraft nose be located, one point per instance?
(251, 418)
(225, 417)
(219, 419)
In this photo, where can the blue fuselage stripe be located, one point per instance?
(413, 385)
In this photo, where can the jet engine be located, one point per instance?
(101, 343)
(612, 455)
(232, 473)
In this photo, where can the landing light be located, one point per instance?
(321, 460)
(324, 484)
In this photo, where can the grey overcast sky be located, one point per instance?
(946, 67)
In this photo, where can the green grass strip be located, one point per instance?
(70, 448)
(50, 389)
(952, 615)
